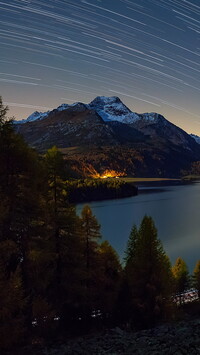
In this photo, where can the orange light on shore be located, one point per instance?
(109, 174)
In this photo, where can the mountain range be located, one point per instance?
(105, 134)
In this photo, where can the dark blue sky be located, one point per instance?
(147, 52)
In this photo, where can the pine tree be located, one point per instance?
(91, 234)
(12, 299)
(55, 168)
(90, 230)
(3, 111)
(148, 274)
(23, 215)
(110, 271)
(66, 241)
(131, 246)
(72, 267)
(56, 200)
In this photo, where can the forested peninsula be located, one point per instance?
(86, 190)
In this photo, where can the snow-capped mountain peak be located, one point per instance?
(113, 109)
(101, 101)
(196, 138)
(38, 116)
(63, 107)
(66, 106)
(108, 108)
(34, 117)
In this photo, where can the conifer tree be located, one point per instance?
(3, 111)
(12, 299)
(22, 212)
(56, 199)
(90, 230)
(66, 241)
(110, 271)
(131, 245)
(181, 277)
(91, 234)
(72, 266)
(196, 277)
(55, 173)
(148, 274)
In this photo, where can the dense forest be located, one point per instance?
(56, 274)
(85, 190)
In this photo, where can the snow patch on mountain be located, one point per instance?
(41, 115)
(34, 116)
(101, 101)
(150, 117)
(63, 107)
(66, 106)
(113, 109)
(196, 138)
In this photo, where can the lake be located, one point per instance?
(174, 209)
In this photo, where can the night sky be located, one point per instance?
(147, 52)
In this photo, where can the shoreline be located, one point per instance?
(140, 184)
(153, 179)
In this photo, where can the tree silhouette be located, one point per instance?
(148, 274)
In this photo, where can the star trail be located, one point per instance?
(147, 52)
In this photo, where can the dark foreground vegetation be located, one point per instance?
(56, 276)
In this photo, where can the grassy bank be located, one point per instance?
(138, 179)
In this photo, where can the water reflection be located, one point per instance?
(175, 210)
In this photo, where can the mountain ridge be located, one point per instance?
(98, 104)
(107, 122)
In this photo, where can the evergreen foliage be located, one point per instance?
(110, 271)
(90, 233)
(181, 277)
(12, 299)
(148, 275)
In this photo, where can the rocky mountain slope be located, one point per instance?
(105, 134)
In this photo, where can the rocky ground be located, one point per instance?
(178, 338)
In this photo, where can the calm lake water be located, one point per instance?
(174, 209)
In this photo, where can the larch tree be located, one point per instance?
(196, 277)
(181, 277)
(90, 231)
(91, 234)
(66, 240)
(56, 200)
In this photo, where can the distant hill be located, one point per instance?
(106, 134)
